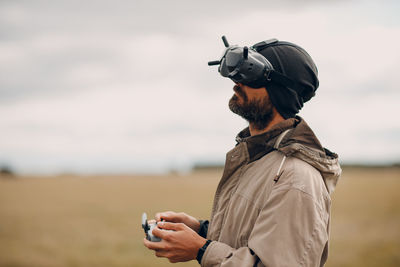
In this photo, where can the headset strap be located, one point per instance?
(261, 45)
(277, 77)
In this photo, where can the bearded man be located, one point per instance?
(272, 205)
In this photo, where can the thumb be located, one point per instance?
(169, 216)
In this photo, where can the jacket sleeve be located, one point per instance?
(203, 229)
(291, 230)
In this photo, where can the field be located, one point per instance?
(95, 221)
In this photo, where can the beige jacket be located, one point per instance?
(272, 206)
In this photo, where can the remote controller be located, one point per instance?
(148, 229)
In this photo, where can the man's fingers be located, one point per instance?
(162, 227)
(162, 253)
(153, 245)
(160, 233)
(163, 215)
(167, 216)
(170, 226)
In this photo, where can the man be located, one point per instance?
(272, 205)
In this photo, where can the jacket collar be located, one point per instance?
(262, 144)
(300, 142)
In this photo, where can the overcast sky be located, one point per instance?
(124, 86)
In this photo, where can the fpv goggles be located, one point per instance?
(247, 66)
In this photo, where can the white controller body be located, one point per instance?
(150, 235)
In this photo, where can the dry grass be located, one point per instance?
(95, 221)
(366, 219)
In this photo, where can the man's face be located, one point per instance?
(252, 104)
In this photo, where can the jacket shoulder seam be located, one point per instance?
(249, 200)
(287, 189)
(292, 168)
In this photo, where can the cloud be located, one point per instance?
(101, 86)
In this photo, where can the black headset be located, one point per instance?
(247, 66)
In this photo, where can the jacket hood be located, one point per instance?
(300, 142)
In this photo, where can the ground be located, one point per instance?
(95, 220)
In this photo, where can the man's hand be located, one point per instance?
(180, 217)
(180, 244)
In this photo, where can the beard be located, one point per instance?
(258, 112)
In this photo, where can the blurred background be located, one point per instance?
(108, 109)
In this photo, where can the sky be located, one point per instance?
(124, 86)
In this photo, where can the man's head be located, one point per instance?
(295, 63)
(284, 69)
(253, 105)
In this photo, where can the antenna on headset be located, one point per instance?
(217, 62)
(245, 52)
(225, 41)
